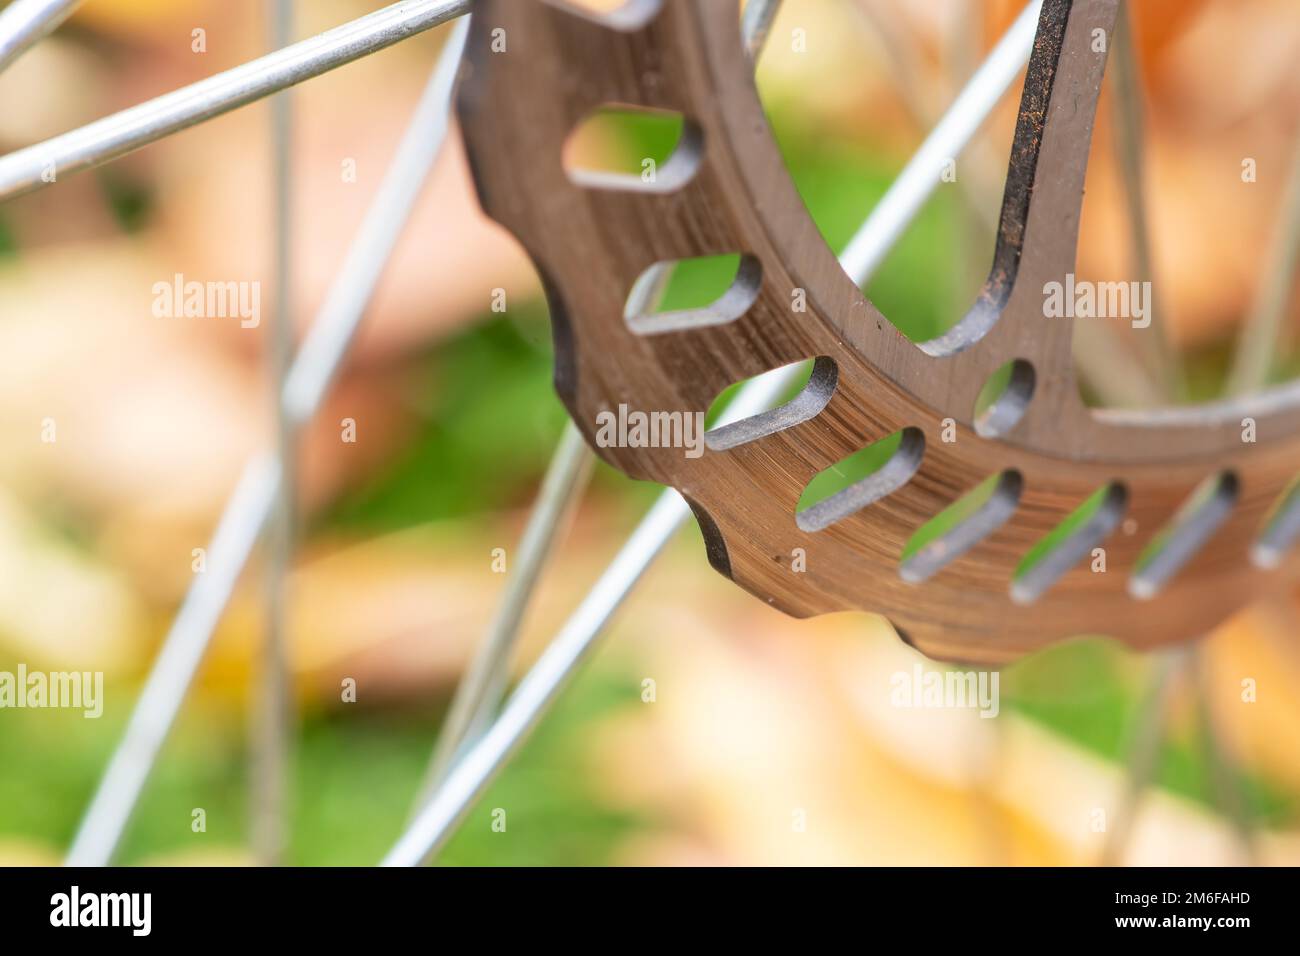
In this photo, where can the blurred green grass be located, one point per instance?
(357, 770)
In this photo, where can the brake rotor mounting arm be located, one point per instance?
(1174, 564)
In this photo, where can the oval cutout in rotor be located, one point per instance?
(632, 148)
(625, 15)
(1185, 535)
(1004, 399)
(1281, 530)
(692, 293)
(769, 403)
(861, 479)
(961, 526)
(1069, 543)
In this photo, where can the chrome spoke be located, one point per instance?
(1258, 345)
(335, 325)
(473, 771)
(273, 708)
(25, 22)
(173, 670)
(1120, 376)
(1146, 736)
(1115, 373)
(1146, 739)
(756, 24)
(979, 184)
(1225, 777)
(249, 508)
(37, 166)
(1157, 346)
(873, 241)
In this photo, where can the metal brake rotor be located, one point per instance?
(1176, 562)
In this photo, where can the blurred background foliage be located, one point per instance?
(755, 715)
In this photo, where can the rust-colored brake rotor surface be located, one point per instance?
(1175, 563)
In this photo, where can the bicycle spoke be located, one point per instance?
(1258, 344)
(475, 769)
(1116, 374)
(273, 700)
(756, 24)
(249, 508)
(1225, 778)
(1146, 735)
(1157, 346)
(30, 169)
(979, 186)
(869, 246)
(25, 22)
(1120, 376)
(331, 333)
(173, 669)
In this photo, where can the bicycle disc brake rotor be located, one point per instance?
(1175, 563)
